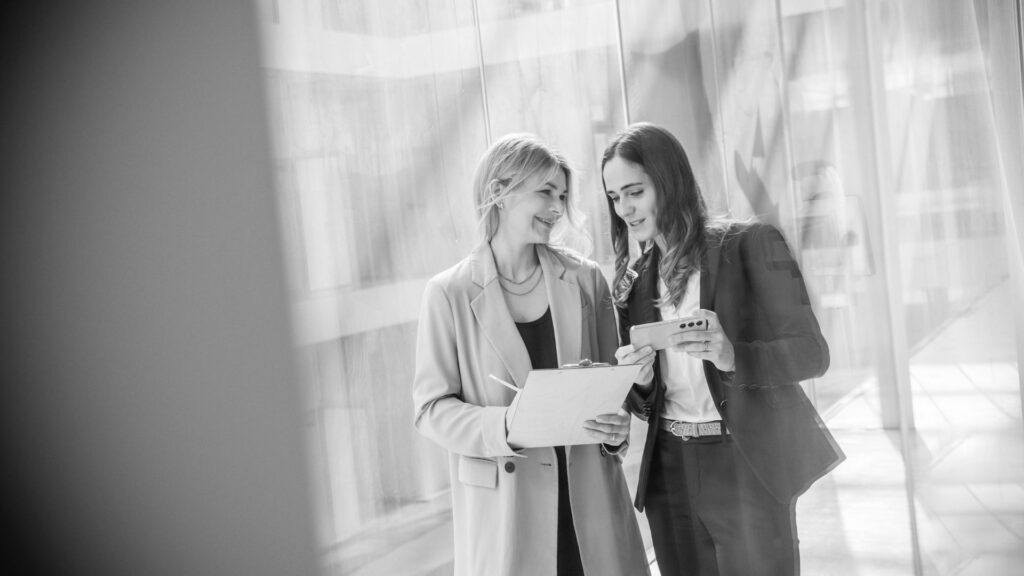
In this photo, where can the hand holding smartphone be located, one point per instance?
(657, 334)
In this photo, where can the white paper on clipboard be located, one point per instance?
(553, 404)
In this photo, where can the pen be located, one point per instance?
(503, 383)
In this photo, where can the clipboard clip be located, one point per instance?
(586, 363)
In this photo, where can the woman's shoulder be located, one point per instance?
(754, 241)
(722, 231)
(570, 258)
(454, 278)
(587, 272)
(727, 226)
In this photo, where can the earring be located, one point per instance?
(500, 205)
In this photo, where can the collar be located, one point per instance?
(644, 308)
(491, 311)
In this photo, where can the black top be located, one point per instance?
(539, 337)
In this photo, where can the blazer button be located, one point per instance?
(510, 467)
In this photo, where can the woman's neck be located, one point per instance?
(515, 260)
(659, 241)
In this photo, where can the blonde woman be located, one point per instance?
(518, 302)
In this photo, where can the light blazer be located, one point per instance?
(505, 502)
(749, 278)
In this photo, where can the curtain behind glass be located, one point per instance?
(826, 118)
(376, 116)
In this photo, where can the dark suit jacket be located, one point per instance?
(751, 281)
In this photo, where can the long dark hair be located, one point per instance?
(682, 214)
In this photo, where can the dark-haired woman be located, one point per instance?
(732, 438)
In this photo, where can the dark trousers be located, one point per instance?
(710, 516)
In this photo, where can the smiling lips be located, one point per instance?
(636, 222)
(550, 222)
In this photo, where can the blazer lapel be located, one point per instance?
(709, 274)
(708, 278)
(566, 312)
(491, 313)
(646, 305)
(564, 301)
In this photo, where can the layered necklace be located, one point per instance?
(524, 286)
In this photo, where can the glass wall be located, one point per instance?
(952, 137)
(376, 112)
(883, 138)
(380, 111)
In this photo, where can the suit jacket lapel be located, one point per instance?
(708, 278)
(492, 315)
(566, 309)
(646, 303)
(709, 274)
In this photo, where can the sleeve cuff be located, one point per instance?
(640, 402)
(620, 450)
(495, 440)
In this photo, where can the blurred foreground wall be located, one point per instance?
(150, 424)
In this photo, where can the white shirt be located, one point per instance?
(687, 396)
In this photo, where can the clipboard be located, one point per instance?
(552, 405)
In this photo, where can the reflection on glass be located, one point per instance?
(377, 113)
(552, 68)
(376, 121)
(823, 116)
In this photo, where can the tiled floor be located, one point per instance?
(957, 506)
(954, 506)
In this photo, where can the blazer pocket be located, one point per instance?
(482, 472)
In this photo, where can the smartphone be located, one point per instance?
(656, 334)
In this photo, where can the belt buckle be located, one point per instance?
(685, 430)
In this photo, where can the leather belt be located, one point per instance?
(687, 430)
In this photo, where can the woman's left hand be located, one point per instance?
(711, 344)
(611, 429)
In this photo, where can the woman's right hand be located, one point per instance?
(645, 355)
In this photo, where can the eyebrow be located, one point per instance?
(630, 185)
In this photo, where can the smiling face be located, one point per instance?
(633, 196)
(530, 213)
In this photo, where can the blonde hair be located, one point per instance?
(502, 170)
